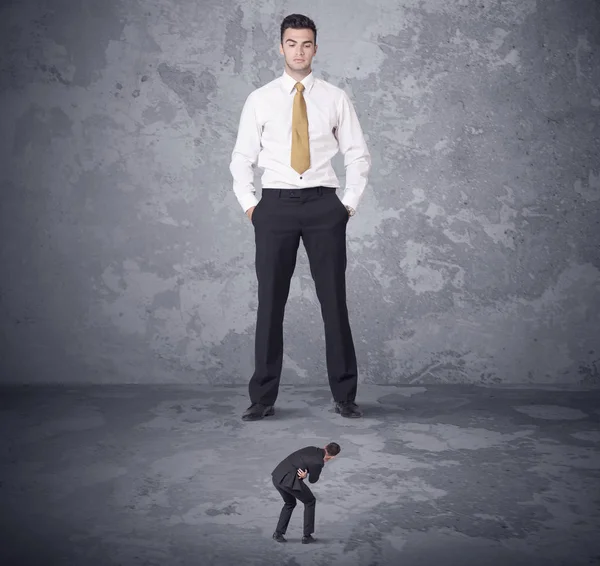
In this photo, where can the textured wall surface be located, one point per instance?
(474, 255)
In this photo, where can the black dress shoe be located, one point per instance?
(308, 538)
(348, 409)
(257, 411)
(279, 537)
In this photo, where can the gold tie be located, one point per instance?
(300, 151)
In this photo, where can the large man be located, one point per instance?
(291, 128)
(287, 479)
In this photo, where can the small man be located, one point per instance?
(287, 479)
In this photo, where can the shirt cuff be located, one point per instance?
(248, 201)
(350, 200)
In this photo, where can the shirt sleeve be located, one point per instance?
(245, 155)
(357, 159)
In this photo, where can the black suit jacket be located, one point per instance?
(309, 458)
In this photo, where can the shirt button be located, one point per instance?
(301, 177)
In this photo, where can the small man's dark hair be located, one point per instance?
(298, 21)
(333, 448)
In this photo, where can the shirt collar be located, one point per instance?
(289, 84)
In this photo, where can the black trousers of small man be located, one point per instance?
(283, 217)
(307, 497)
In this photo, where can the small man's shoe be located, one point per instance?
(279, 537)
(348, 409)
(307, 539)
(257, 411)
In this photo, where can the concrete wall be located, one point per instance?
(474, 256)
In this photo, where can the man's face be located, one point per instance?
(328, 457)
(298, 48)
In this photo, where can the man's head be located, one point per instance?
(331, 451)
(298, 43)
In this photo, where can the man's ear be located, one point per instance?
(281, 49)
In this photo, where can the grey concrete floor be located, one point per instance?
(170, 475)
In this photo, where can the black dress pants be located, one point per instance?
(289, 498)
(283, 217)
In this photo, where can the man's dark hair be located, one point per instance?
(333, 448)
(298, 21)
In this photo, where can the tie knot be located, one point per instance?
(299, 87)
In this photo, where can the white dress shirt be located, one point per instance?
(265, 139)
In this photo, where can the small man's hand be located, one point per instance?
(302, 473)
(249, 212)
